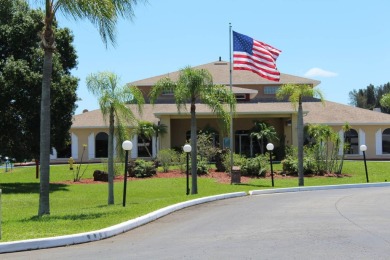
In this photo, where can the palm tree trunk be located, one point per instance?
(111, 159)
(194, 175)
(300, 144)
(44, 157)
(146, 147)
(342, 156)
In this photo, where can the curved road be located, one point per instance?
(338, 224)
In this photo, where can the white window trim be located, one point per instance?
(91, 146)
(378, 142)
(74, 146)
(362, 139)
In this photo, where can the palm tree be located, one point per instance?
(193, 85)
(323, 136)
(104, 15)
(295, 94)
(346, 127)
(112, 103)
(145, 131)
(159, 129)
(261, 131)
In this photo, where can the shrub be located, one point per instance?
(205, 146)
(117, 166)
(141, 169)
(181, 161)
(255, 167)
(290, 163)
(219, 159)
(166, 158)
(202, 167)
(238, 160)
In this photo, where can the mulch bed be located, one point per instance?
(220, 177)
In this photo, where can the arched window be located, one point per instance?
(101, 145)
(352, 140)
(386, 141)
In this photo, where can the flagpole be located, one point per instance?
(231, 109)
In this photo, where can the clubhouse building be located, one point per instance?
(256, 101)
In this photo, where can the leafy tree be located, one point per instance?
(295, 94)
(102, 14)
(263, 131)
(20, 77)
(192, 85)
(385, 100)
(112, 103)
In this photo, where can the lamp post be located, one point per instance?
(363, 148)
(6, 164)
(270, 148)
(127, 146)
(187, 148)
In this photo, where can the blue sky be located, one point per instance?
(343, 43)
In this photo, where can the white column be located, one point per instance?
(341, 136)
(75, 146)
(362, 140)
(378, 142)
(91, 146)
(54, 155)
(134, 151)
(154, 151)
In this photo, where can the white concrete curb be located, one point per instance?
(41, 243)
(326, 187)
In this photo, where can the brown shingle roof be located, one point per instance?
(338, 114)
(332, 113)
(94, 118)
(220, 72)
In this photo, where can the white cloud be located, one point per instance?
(317, 72)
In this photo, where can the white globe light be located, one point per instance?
(187, 148)
(127, 145)
(363, 148)
(270, 147)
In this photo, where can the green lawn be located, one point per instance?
(79, 208)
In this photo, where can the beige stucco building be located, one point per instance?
(255, 101)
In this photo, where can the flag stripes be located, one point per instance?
(255, 56)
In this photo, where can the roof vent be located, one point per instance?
(377, 109)
(85, 111)
(220, 62)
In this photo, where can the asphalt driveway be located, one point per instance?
(325, 224)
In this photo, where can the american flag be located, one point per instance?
(258, 57)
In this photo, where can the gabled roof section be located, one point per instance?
(220, 72)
